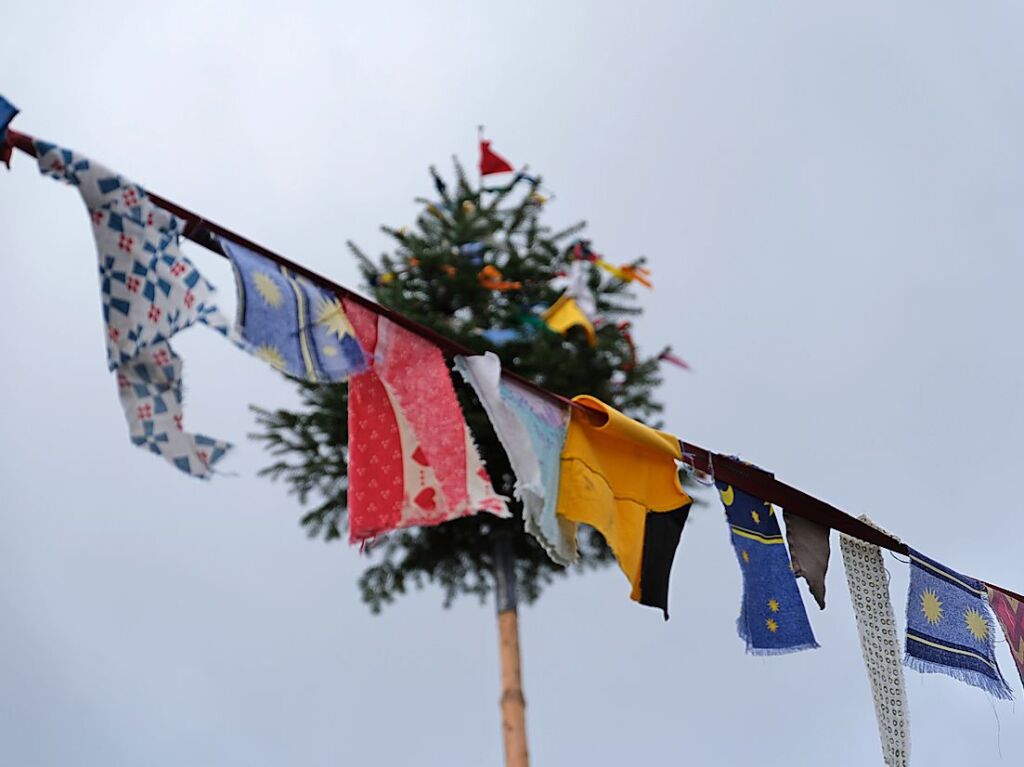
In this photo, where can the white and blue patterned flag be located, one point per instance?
(150, 291)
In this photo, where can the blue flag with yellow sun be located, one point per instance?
(772, 617)
(949, 630)
(291, 323)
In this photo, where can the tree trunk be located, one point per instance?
(513, 704)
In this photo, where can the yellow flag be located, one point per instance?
(565, 314)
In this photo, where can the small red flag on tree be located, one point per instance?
(490, 162)
(670, 357)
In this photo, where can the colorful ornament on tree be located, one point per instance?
(565, 314)
(504, 189)
(624, 327)
(667, 356)
(473, 251)
(502, 336)
(626, 272)
(491, 278)
(577, 288)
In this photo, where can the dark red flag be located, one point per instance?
(491, 162)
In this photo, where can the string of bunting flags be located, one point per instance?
(413, 460)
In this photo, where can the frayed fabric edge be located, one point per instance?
(997, 689)
(741, 629)
(766, 651)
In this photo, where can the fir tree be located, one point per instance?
(434, 277)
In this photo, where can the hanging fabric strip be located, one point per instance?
(614, 471)
(772, 618)
(876, 624)
(532, 432)
(290, 323)
(411, 458)
(949, 630)
(809, 552)
(1010, 612)
(150, 291)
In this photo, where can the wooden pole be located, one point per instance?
(513, 704)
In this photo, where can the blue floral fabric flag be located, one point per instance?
(772, 617)
(949, 630)
(150, 291)
(291, 323)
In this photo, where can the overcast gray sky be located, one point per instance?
(829, 195)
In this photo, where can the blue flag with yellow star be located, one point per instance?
(291, 323)
(772, 617)
(949, 630)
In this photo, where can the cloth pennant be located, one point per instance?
(290, 323)
(616, 474)
(577, 287)
(564, 314)
(491, 161)
(502, 336)
(675, 360)
(868, 582)
(949, 630)
(150, 392)
(1010, 612)
(809, 551)
(150, 291)
(490, 277)
(411, 458)
(772, 617)
(532, 431)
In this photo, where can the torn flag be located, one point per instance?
(772, 617)
(617, 473)
(532, 431)
(948, 627)
(809, 551)
(868, 582)
(411, 458)
(1010, 612)
(150, 291)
